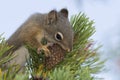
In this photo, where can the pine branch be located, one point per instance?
(3, 48)
(82, 61)
(11, 72)
(80, 64)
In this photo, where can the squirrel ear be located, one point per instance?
(64, 12)
(52, 17)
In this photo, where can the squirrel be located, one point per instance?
(54, 26)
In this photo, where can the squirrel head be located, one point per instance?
(58, 29)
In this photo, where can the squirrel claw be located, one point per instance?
(45, 49)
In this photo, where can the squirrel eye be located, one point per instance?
(58, 36)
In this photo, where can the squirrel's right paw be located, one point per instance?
(45, 49)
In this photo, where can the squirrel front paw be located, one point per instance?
(45, 51)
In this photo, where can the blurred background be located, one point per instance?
(105, 13)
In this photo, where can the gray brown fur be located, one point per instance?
(43, 25)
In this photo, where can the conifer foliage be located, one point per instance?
(82, 63)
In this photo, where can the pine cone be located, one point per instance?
(57, 55)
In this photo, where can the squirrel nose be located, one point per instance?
(68, 49)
